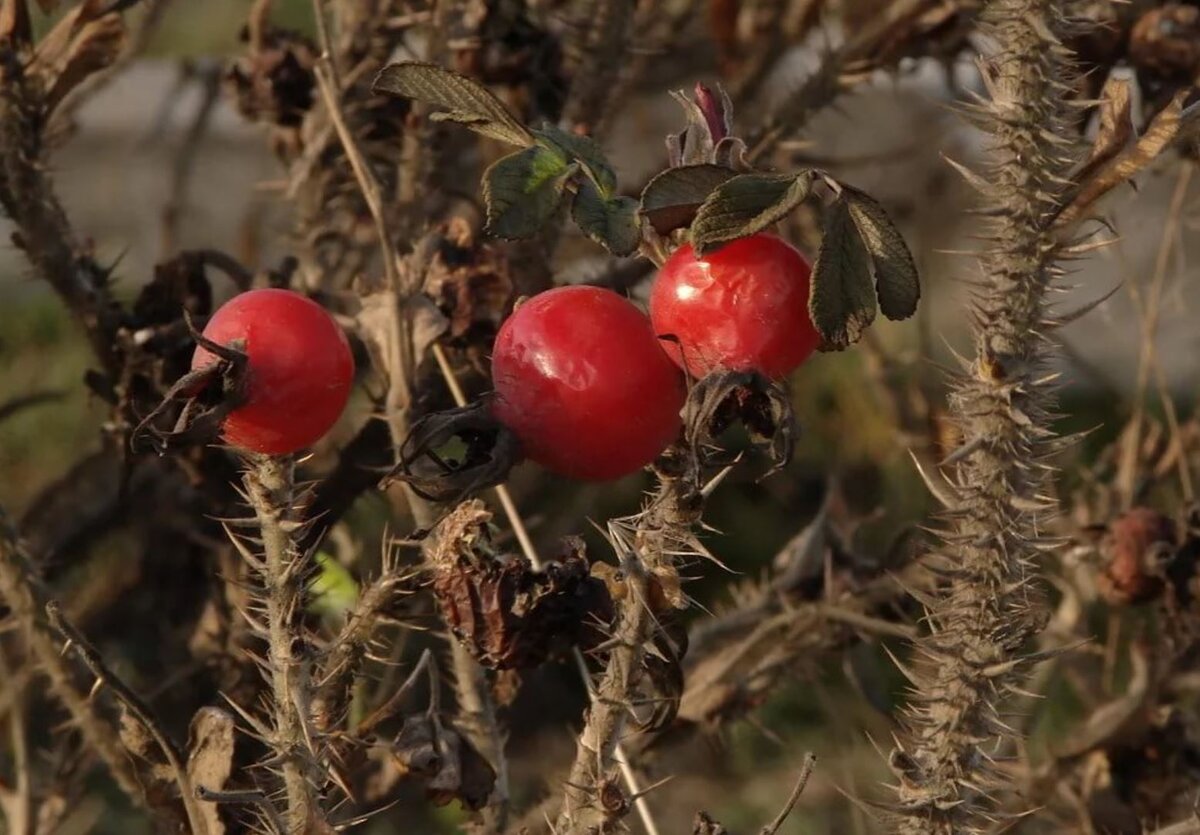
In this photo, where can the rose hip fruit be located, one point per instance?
(299, 372)
(584, 384)
(743, 307)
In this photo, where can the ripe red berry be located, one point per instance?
(584, 384)
(300, 369)
(741, 308)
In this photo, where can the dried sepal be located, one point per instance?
(443, 759)
(724, 398)
(207, 394)
(506, 613)
(488, 451)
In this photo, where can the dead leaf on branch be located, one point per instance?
(508, 615)
(83, 42)
(433, 752)
(1159, 136)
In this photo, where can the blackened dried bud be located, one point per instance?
(506, 613)
(275, 82)
(1135, 545)
(445, 761)
(450, 455)
(1165, 42)
(724, 398)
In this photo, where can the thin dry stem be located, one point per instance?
(806, 770)
(26, 599)
(17, 803)
(269, 487)
(176, 759)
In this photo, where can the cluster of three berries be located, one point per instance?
(590, 385)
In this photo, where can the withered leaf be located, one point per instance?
(672, 198)
(508, 615)
(79, 45)
(454, 97)
(448, 764)
(522, 191)
(1159, 136)
(896, 282)
(611, 222)
(210, 758)
(746, 204)
(841, 300)
(1115, 129)
(723, 398)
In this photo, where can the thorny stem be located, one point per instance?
(43, 230)
(582, 810)
(988, 609)
(284, 573)
(18, 810)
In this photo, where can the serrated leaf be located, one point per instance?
(582, 149)
(841, 300)
(454, 97)
(896, 281)
(612, 222)
(746, 204)
(671, 200)
(522, 191)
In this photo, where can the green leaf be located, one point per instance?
(672, 198)
(841, 300)
(746, 204)
(584, 150)
(522, 191)
(612, 222)
(334, 590)
(454, 97)
(896, 280)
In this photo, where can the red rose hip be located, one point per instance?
(584, 384)
(299, 371)
(741, 308)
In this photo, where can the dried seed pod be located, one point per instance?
(507, 614)
(1134, 543)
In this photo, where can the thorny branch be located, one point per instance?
(981, 620)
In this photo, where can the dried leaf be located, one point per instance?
(671, 199)
(1158, 137)
(522, 191)
(612, 223)
(449, 766)
(746, 204)
(584, 150)
(896, 282)
(841, 300)
(1115, 129)
(78, 46)
(210, 758)
(723, 398)
(455, 98)
(508, 615)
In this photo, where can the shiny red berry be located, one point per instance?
(299, 369)
(741, 308)
(584, 384)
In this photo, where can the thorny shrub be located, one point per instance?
(296, 683)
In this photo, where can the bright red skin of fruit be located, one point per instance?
(300, 369)
(743, 307)
(584, 384)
